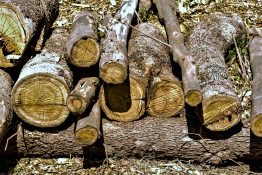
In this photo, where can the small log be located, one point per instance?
(19, 24)
(88, 128)
(40, 93)
(113, 63)
(208, 43)
(255, 50)
(83, 47)
(165, 95)
(81, 96)
(192, 90)
(6, 109)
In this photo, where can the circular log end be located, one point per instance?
(193, 97)
(122, 103)
(85, 52)
(40, 100)
(166, 99)
(220, 113)
(76, 104)
(113, 72)
(256, 125)
(86, 136)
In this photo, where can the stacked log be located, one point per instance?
(20, 24)
(208, 43)
(40, 93)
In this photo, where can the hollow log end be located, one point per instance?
(113, 72)
(87, 136)
(220, 113)
(40, 100)
(193, 97)
(121, 104)
(256, 123)
(76, 104)
(85, 52)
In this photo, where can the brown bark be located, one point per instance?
(208, 43)
(88, 128)
(20, 24)
(255, 50)
(82, 47)
(6, 109)
(192, 90)
(113, 62)
(40, 93)
(83, 93)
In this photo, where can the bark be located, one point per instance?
(81, 96)
(255, 50)
(88, 128)
(192, 90)
(113, 63)
(208, 43)
(40, 93)
(6, 109)
(20, 24)
(83, 47)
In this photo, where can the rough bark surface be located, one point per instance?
(40, 93)
(113, 62)
(82, 47)
(255, 50)
(6, 109)
(25, 23)
(192, 90)
(208, 43)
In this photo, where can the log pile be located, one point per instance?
(142, 100)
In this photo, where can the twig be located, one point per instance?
(7, 141)
(138, 17)
(241, 62)
(81, 5)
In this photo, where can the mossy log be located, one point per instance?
(88, 128)
(255, 50)
(208, 42)
(192, 90)
(20, 21)
(83, 93)
(82, 47)
(6, 109)
(114, 62)
(40, 93)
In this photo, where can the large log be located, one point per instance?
(255, 50)
(113, 62)
(40, 93)
(192, 90)
(6, 109)
(20, 21)
(82, 47)
(208, 42)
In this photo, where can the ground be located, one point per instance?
(190, 12)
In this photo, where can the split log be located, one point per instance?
(113, 63)
(208, 43)
(6, 109)
(83, 93)
(192, 90)
(88, 128)
(255, 50)
(40, 93)
(19, 24)
(82, 47)
(150, 64)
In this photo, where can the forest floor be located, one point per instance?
(190, 13)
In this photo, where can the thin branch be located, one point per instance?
(7, 141)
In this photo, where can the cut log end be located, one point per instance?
(123, 102)
(87, 135)
(40, 100)
(85, 52)
(113, 73)
(193, 97)
(256, 124)
(220, 113)
(76, 104)
(166, 99)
